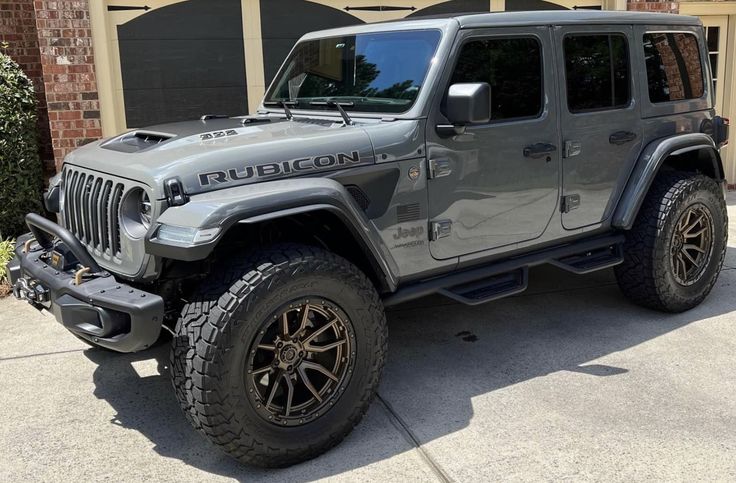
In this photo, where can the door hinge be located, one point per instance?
(439, 168)
(569, 203)
(572, 148)
(440, 229)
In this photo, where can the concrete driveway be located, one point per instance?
(566, 381)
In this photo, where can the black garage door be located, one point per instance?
(182, 61)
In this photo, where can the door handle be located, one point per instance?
(539, 150)
(622, 137)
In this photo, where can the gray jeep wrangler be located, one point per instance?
(387, 162)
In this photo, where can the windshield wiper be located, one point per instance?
(285, 105)
(345, 118)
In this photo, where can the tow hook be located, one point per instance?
(32, 292)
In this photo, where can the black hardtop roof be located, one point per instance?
(560, 17)
(512, 19)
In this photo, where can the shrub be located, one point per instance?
(21, 179)
(6, 253)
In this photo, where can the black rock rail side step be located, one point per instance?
(491, 288)
(579, 256)
(591, 260)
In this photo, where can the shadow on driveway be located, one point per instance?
(441, 356)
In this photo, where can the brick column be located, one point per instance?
(67, 62)
(18, 31)
(654, 6)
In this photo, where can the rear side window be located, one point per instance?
(674, 70)
(512, 67)
(597, 72)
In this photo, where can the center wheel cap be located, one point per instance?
(288, 354)
(678, 242)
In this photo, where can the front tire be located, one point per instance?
(675, 250)
(278, 357)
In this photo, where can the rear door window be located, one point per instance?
(597, 72)
(674, 68)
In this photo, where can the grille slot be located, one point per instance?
(91, 206)
(359, 196)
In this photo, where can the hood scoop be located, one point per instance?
(136, 141)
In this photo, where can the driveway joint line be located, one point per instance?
(28, 356)
(403, 428)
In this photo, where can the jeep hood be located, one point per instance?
(220, 153)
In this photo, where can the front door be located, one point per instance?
(601, 134)
(496, 184)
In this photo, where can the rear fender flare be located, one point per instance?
(648, 165)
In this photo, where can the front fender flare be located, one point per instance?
(648, 165)
(259, 202)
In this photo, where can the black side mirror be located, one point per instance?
(467, 103)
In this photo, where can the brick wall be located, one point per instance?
(67, 61)
(653, 6)
(18, 30)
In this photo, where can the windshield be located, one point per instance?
(376, 72)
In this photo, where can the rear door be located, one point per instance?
(600, 120)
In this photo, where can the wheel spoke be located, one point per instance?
(266, 347)
(681, 267)
(318, 368)
(693, 224)
(326, 347)
(285, 325)
(308, 383)
(319, 331)
(696, 234)
(289, 395)
(305, 319)
(689, 257)
(276, 381)
(261, 370)
(690, 246)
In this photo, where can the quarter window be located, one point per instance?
(597, 72)
(674, 70)
(512, 67)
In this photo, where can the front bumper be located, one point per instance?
(100, 309)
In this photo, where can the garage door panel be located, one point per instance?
(144, 107)
(181, 63)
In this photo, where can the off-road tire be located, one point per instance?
(646, 276)
(219, 322)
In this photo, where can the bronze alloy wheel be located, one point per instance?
(300, 362)
(692, 244)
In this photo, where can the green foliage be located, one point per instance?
(6, 254)
(21, 179)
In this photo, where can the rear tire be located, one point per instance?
(675, 250)
(239, 373)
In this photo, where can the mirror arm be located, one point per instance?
(449, 130)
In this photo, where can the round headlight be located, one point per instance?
(145, 210)
(136, 212)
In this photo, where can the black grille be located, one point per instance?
(91, 206)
